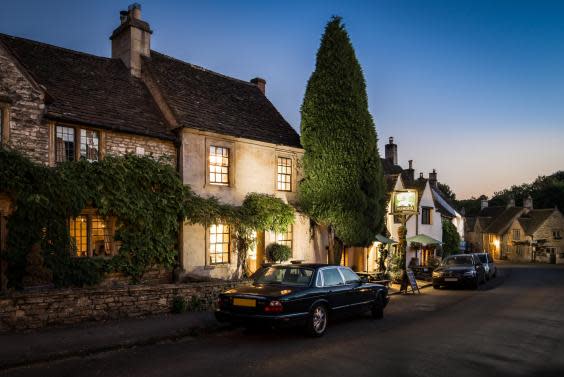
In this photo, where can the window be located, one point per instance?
(556, 235)
(65, 150)
(349, 275)
(426, 215)
(331, 277)
(284, 176)
(285, 238)
(92, 235)
(516, 234)
(219, 242)
(65, 144)
(89, 145)
(219, 165)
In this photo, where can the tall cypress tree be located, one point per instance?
(343, 186)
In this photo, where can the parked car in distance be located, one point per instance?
(301, 294)
(459, 269)
(489, 265)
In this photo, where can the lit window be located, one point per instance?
(426, 215)
(516, 234)
(91, 235)
(285, 238)
(284, 177)
(65, 143)
(89, 142)
(219, 240)
(219, 165)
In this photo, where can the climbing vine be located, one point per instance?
(147, 199)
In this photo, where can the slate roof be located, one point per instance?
(491, 211)
(208, 101)
(88, 89)
(442, 204)
(389, 168)
(534, 219)
(500, 224)
(101, 92)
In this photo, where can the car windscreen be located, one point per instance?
(483, 258)
(458, 260)
(298, 276)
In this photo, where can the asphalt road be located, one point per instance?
(513, 326)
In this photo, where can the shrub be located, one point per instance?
(179, 304)
(278, 253)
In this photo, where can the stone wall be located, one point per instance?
(31, 310)
(25, 104)
(118, 143)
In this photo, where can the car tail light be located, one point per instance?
(274, 307)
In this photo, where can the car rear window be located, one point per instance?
(299, 276)
(331, 276)
(483, 258)
(458, 260)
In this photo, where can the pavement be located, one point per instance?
(512, 326)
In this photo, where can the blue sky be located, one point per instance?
(473, 89)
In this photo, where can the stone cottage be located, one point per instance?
(223, 134)
(521, 234)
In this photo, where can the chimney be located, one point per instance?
(511, 203)
(131, 39)
(483, 203)
(433, 178)
(391, 152)
(528, 203)
(261, 83)
(410, 173)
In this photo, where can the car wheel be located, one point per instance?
(378, 308)
(494, 274)
(317, 322)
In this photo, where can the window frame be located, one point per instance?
(285, 241)
(109, 222)
(430, 217)
(77, 141)
(4, 123)
(515, 232)
(209, 244)
(556, 234)
(338, 272)
(290, 182)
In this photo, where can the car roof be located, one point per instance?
(307, 265)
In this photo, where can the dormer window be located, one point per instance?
(426, 215)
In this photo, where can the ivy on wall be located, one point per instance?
(145, 196)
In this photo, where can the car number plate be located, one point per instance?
(245, 302)
(451, 279)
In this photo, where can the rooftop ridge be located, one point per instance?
(201, 68)
(54, 46)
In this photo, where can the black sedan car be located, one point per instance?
(306, 294)
(460, 269)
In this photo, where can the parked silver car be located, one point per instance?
(489, 265)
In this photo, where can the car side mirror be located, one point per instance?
(364, 279)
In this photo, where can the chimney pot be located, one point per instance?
(410, 164)
(261, 83)
(391, 151)
(528, 202)
(483, 203)
(421, 175)
(135, 11)
(391, 139)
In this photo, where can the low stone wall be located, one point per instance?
(31, 310)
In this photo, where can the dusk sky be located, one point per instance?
(473, 89)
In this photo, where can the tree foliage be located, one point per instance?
(343, 185)
(447, 191)
(451, 238)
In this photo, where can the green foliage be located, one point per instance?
(278, 253)
(146, 198)
(343, 185)
(179, 305)
(451, 238)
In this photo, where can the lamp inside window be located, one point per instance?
(92, 235)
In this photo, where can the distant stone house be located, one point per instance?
(222, 134)
(521, 234)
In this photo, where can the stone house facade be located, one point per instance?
(222, 134)
(521, 234)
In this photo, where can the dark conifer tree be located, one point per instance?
(343, 186)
